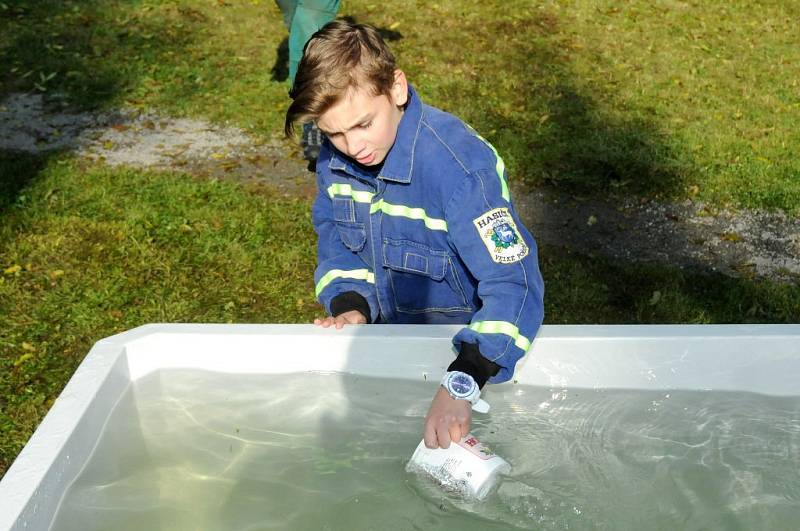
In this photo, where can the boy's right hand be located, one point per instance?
(351, 317)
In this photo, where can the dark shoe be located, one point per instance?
(311, 141)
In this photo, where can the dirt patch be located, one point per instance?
(129, 137)
(745, 243)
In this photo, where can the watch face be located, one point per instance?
(461, 384)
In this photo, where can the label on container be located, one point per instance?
(476, 447)
(465, 467)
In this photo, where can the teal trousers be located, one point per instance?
(302, 19)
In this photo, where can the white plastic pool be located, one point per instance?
(760, 359)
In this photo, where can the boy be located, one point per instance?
(414, 219)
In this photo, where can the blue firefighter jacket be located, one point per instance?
(432, 238)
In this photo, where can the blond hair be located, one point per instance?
(338, 57)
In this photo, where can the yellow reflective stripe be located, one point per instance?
(333, 274)
(502, 327)
(500, 168)
(359, 196)
(387, 208)
(408, 212)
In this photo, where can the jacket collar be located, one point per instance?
(399, 161)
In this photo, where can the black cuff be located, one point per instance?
(471, 361)
(350, 300)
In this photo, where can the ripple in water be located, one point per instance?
(198, 450)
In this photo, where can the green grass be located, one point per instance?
(669, 100)
(89, 251)
(581, 289)
(664, 99)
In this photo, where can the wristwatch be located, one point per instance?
(462, 386)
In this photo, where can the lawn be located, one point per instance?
(670, 100)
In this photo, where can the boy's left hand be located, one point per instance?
(448, 420)
(351, 317)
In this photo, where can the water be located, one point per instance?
(189, 450)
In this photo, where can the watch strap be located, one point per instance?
(481, 406)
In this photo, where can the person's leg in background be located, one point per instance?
(309, 16)
(287, 8)
(303, 18)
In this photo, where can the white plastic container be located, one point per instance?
(741, 358)
(466, 467)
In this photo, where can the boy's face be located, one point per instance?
(363, 126)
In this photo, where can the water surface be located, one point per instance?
(189, 450)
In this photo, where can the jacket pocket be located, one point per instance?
(421, 278)
(353, 235)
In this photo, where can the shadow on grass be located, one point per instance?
(519, 88)
(280, 70)
(16, 171)
(582, 151)
(591, 290)
(83, 55)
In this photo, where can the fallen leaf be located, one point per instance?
(22, 359)
(28, 346)
(654, 298)
(13, 270)
(394, 25)
(592, 220)
(229, 165)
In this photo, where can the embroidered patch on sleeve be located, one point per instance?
(501, 236)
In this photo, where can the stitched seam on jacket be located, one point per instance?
(414, 144)
(447, 147)
(488, 205)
